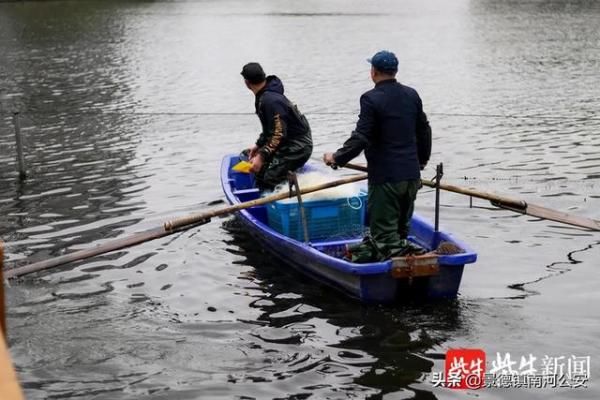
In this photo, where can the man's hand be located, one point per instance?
(257, 163)
(252, 151)
(328, 159)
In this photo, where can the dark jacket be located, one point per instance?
(394, 132)
(284, 129)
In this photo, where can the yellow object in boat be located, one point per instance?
(242, 166)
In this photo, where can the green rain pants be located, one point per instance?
(390, 207)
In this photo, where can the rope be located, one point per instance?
(516, 179)
(223, 113)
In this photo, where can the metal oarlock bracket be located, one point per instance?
(439, 172)
(295, 188)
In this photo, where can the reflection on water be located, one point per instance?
(127, 109)
(368, 347)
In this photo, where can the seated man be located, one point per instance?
(285, 143)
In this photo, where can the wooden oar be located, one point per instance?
(516, 205)
(9, 385)
(168, 228)
(2, 316)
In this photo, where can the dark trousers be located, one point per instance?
(275, 171)
(390, 207)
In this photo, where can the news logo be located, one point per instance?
(469, 369)
(465, 368)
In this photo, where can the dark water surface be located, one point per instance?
(128, 107)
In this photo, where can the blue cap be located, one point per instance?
(384, 61)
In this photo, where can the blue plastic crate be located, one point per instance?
(326, 219)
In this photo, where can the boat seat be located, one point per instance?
(247, 194)
(242, 180)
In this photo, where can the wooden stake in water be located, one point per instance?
(19, 141)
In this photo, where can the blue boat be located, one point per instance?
(435, 275)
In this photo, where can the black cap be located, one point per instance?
(253, 73)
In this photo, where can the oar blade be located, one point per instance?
(565, 218)
(557, 216)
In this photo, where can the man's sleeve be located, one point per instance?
(262, 139)
(270, 141)
(361, 136)
(423, 137)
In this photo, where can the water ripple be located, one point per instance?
(116, 102)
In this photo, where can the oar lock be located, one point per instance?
(519, 206)
(171, 226)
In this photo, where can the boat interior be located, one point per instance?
(243, 187)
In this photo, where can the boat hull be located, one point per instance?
(370, 283)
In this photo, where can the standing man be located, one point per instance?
(395, 134)
(285, 143)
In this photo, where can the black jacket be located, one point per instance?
(394, 132)
(284, 129)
